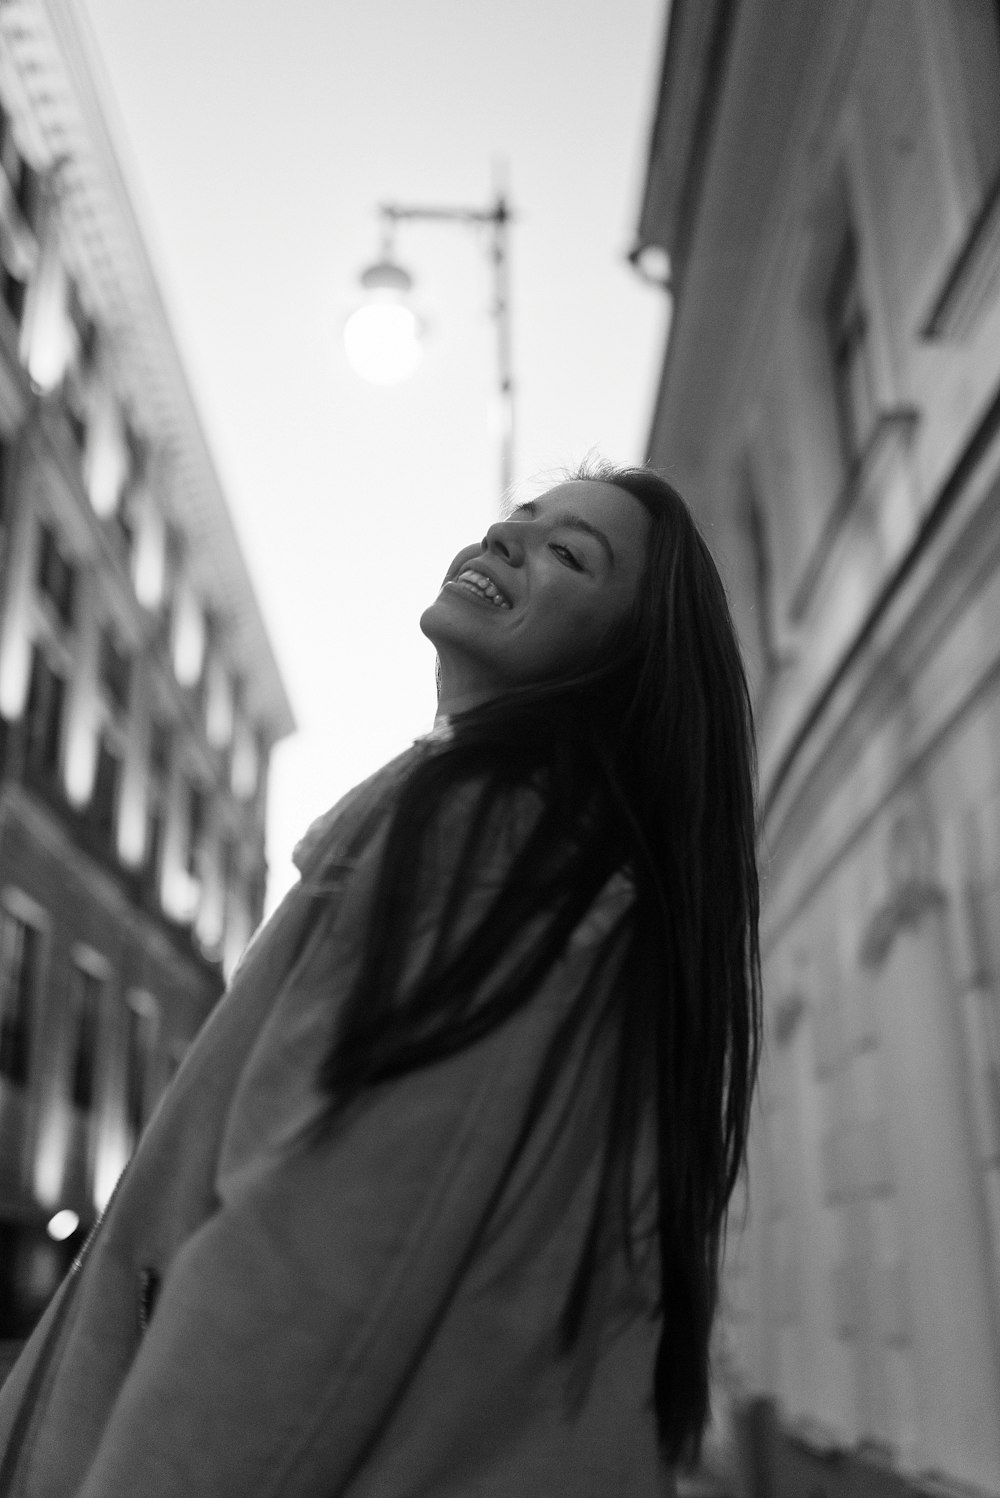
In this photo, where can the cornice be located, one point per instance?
(694, 58)
(728, 231)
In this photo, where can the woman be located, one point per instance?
(434, 1204)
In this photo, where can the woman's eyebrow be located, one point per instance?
(567, 518)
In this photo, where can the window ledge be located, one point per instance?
(972, 278)
(892, 433)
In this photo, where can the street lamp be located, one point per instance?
(382, 338)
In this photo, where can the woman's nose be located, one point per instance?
(502, 538)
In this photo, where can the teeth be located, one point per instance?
(484, 587)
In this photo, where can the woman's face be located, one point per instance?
(536, 598)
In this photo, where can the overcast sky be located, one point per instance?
(258, 138)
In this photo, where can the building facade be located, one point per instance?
(824, 176)
(139, 695)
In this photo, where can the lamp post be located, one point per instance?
(382, 337)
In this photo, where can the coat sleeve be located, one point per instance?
(290, 1321)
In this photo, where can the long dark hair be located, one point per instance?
(644, 763)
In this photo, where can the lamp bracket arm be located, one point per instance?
(499, 214)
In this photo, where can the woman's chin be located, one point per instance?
(431, 617)
(449, 614)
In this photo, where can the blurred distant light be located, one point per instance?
(81, 759)
(50, 350)
(181, 893)
(107, 467)
(15, 648)
(382, 338)
(63, 1225)
(189, 636)
(150, 565)
(111, 1161)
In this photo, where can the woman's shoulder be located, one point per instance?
(344, 826)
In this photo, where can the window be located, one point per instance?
(20, 954)
(197, 818)
(85, 333)
(159, 774)
(124, 524)
(850, 353)
(85, 1015)
(23, 185)
(149, 551)
(172, 554)
(28, 192)
(24, 181)
(114, 679)
(231, 876)
(13, 289)
(137, 457)
(124, 513)
(55, 582)
(44, 714)
(159, 753)
(190, 635)
(155, 829)
(245, 764)
(77, 388)
(115, 672)
(104, 801)
(227, 863)
(140, 1053)
(218, 702)
(114, 467)
(56, 577)
(76, 417)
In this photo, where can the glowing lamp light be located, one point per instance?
(382, 338)
(50, 1156)
(111, 1161)
(15, 656)
(382, 343)
(131, 821)
(150, 557)
(189, 638)
(63, 1225)
(81, 758)
(108, 463)
(181, 894)
(49, 353)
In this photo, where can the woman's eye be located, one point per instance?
(565, 555)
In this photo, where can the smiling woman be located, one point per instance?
(563, 569)
(434, 1204)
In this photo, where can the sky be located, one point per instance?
(258, 139)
